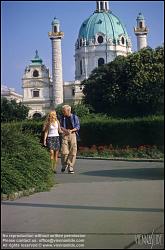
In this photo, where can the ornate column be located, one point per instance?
(56, 35)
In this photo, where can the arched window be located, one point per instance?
(100, 39)
(81, 42)
(77, 44)
(36, 115)
(73, 92)
(100, 61)
(122, 40)
(55, 29)
(35, 73)
(140, 24)
(81, 70)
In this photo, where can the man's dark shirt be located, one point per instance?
(68, 123)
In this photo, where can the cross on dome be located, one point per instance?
(36, 56)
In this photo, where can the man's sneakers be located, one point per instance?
(63, 168)
(70, 170)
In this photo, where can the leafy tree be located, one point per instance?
(128, 86)
(81, 109)
(11, 110)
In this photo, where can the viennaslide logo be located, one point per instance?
(150, 239)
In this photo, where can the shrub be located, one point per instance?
(11, 110)
(103, 130)
(81, 110)
(25, 164)
(122, 132)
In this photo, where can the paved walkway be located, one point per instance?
(104, 205)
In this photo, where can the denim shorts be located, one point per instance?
(53, 143)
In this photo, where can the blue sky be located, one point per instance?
(25, 26)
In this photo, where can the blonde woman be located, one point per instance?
(51, 137)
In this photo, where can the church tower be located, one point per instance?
(141, 32)
(37, 88)
(56, 35)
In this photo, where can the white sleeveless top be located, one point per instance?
(53, 130)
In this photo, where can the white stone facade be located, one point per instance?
(37, 90)
(88, 57)
(72, 92)
(10, 94)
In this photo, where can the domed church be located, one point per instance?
(101, 38)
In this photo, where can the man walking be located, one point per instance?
(70, 125)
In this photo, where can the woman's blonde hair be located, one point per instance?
(51, 118)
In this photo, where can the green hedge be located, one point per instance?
(121, 132)
(24, 163)
(102, 130)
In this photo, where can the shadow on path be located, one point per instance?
(139, 173)
(121, 209)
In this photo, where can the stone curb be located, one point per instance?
(120, 159)
(17, 195)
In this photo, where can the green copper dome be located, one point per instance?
(102, 22)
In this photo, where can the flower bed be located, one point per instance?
(143, 151)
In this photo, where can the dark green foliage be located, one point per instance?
(12, 111)
(81, 110)
(24, 163)
(122, 132)
(128, 86)
(104, 130)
